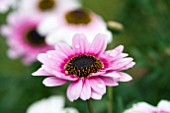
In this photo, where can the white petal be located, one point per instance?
(164, 105)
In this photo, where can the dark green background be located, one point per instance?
(146, 38)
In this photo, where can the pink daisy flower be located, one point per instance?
(88, 67)
(22, 37)
(143, 107)
(46, 7)
(63, 26)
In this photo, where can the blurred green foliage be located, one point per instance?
(146, 37)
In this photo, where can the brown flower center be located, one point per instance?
(83, 65)
(34, 38)
(45, 5)
(78, 16)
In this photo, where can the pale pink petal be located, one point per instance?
(130, 65)
(64, 48)
(98, 85)
(124, 77)
(42, 57)
(109, 81)
(119, 64)
(113, 74)
(74, 90)
(41, 72)
(53, 81)
(56, 55)
(80, 43)
(86, 90)
(98, 45)
(97, 74)
(55, 72)
(95, 95)
(115, 53)
(52, 58)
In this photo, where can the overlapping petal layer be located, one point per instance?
(94, 84)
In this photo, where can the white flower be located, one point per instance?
(143, 107)
(6, 4)
(63, 27)
(53, 104)
(46, 7)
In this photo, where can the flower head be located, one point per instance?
(53, 104)
(46, 7)
(22, 37)
(143, 107)
(77, 20)
(88, 67)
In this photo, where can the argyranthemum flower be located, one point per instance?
(63, 26)
(143, 107)
(6, 4)
(22, 37)
(53, 104)
(88, 67)
(46, 7)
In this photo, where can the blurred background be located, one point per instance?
(146, 37)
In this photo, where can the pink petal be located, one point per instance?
(74, 90)
(41, 72)
(56, 55)
(128, 66)
(80, 43)
(58, 74)
(98, 45)
(119, 64)
(42, 57)
(114, 75)
(115, 53)
(64, 48)
(53, 81)
(95, 95)
(98, 85)
(109, 81)
(86, 90)
(97, 74)
(124, 77)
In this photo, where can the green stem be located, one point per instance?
(110, 100)
(89, 104)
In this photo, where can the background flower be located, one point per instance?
(22, 37)
(143, 107)
(77, 20)
(53, 104)
(46, 7)
(89, 68)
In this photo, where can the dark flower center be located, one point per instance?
(34, 38)
(45, 5)
(78, 16)
(83, 65)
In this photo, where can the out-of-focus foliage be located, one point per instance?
(146, 37)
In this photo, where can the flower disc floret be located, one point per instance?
(83, 65)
